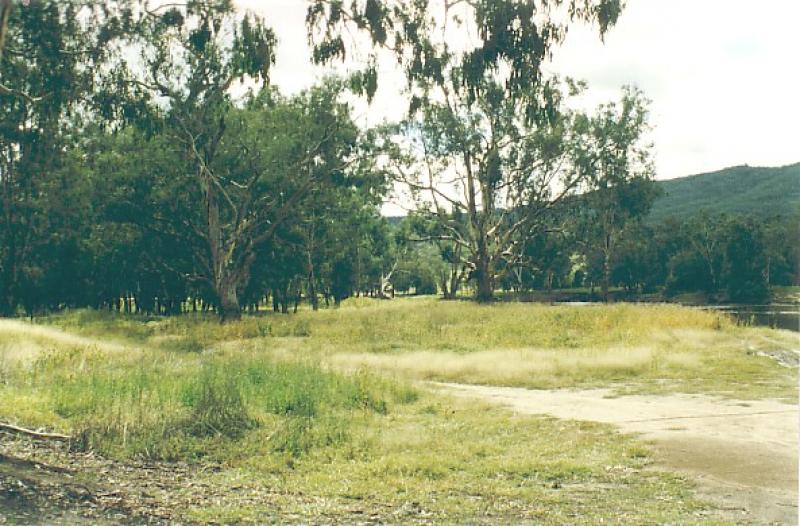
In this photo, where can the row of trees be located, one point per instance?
(131, 170)
(147, 163)
(722, 257)
(131, 175)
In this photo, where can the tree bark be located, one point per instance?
(485, 292)
(229, 309)
(8, 287)
(5, 11)
(483, 267)
(606, 267)
(312, 290)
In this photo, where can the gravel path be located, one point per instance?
(742, 454)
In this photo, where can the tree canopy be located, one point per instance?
(148, 164)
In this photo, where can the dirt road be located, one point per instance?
(742, 454)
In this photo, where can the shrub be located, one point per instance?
(218, 408)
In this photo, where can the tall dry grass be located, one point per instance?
(460, 326)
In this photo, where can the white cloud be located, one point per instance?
(723, 75)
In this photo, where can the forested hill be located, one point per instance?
(739, 190)
(764, 192)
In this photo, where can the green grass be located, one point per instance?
(317, 417)
(656, 348)
(168, 405)
(450, 462)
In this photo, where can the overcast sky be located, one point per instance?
(723, 75)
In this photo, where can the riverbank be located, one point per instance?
(778, 295)
(781, 311)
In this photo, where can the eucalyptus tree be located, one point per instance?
(247, 161)
(618, 159)
(486, 135)
(325, 229)
(451, 271)
(486, 163)
(137, 207)
(332, 221)
(48, 67)
(5, 12)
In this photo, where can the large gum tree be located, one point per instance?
(247, 161)
(618, 158)
(486, 133)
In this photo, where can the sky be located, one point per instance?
(723, 75)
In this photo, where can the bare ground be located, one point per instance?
(742, 454)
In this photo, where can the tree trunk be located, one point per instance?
(8, 296)
(225, 278)
(229, 309)
(5, 11)
(485, 291)
(312, 290)
(445, 288)
(7, 301)
(455, 280)
(606, 267)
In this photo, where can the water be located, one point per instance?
(777, 315)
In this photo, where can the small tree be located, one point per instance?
(621, 189)
(745, 261)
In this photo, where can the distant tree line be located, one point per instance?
(721, 257)
(148, 165)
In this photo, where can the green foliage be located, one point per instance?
(151, 186)
(52, 56)
(483, 118)
(515, 39)
(715, 254)
(172, 405)
(620, 171)
(743, 270)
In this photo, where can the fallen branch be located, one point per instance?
(24, 464)
(31, 433)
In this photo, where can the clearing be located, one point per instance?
(329, 417)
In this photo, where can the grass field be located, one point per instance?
(322, 417)
(644, 348)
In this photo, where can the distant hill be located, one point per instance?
(763, 192)
(745, 190)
